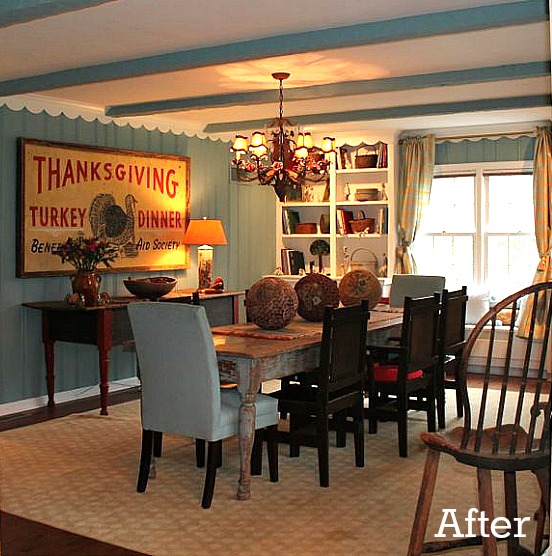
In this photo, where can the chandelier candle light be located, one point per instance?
(290, 163)
(205, 233)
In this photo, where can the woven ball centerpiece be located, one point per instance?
(358, 285)
(271, 303)
(315, 292)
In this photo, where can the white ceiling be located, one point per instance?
(100, 32)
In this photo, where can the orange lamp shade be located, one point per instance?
(205, 232)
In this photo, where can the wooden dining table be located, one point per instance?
(249, 356)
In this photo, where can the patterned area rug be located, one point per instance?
(78, 473)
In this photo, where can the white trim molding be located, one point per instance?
(67, 396)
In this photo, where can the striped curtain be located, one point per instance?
(542, 199)
(416, 175)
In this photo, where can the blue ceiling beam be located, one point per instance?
(13, 12)
(395, 112)
(403, 83)
(440, 23)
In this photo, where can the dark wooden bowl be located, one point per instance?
(150, 288)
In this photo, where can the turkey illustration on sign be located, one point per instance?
(137, 201)
(111, 223)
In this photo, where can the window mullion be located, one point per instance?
(480, 239)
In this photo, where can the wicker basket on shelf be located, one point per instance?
(367, 225)
(368, 263)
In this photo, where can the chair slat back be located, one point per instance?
(452, 326)
(419, 332)
(343, 350)
(178, 368)
(512, 416)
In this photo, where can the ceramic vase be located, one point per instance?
(87, 285)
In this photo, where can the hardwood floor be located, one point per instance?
(20, 536)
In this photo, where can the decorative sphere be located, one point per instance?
(315, 292)
(358, 285)
(271, 303)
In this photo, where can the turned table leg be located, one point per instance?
(248, 386)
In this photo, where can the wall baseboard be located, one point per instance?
(67, 396)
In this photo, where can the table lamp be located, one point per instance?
(205, 233)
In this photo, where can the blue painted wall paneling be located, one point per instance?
(241, 208)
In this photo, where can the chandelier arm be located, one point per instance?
(243, 175)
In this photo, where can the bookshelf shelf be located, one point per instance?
(300, 204)
(362, 171)
(376, 185)
(300, 236)
(359, 236)
(360, 203)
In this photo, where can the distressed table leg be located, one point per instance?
(248, 386)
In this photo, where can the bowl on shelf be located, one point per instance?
(150, 288)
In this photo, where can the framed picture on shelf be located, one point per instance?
(315, 192)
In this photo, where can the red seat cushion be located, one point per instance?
(389, 373)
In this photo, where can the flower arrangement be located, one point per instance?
(86, 253)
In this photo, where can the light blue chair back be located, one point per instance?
(413, 285)
(178, 368)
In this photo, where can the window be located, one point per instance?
(479, 230)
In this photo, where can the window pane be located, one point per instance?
(446, 255)
(511, 263)
(510, 203)
(451, 206)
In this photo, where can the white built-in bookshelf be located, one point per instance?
(353, 213)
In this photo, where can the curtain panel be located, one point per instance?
(542, 199)
(417, 161)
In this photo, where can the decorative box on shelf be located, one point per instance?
(306, 228)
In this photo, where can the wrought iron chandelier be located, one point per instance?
(288, 162)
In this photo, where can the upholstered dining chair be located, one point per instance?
(336, 387)
(401, 373)
(506, 424)
(181, 391)
(413, 285)
(450, 344)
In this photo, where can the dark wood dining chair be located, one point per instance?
(450, 345)
(508, 429)
(401, 373)
(335, 387)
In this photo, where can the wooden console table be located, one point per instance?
(106, 326)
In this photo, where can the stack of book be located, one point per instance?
(289, 219)
(382, 225)
(292, 261)
(382, 155)
(344, 218)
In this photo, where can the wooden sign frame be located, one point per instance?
(139, 201)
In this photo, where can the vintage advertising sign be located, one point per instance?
(139, 201)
